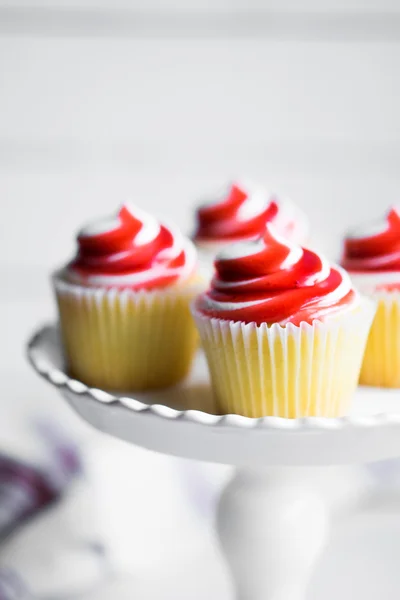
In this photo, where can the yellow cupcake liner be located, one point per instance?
(381, 364)
(286, 371)
(124, 340)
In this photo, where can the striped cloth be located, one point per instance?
(28, 490)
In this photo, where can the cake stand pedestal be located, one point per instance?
(272, 521)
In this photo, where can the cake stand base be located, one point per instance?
(272, 527)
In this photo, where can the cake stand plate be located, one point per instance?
(272, 522)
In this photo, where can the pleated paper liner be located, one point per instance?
(381, 364)
(124, 340)
(286, 371)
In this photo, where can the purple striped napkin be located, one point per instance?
(26, 491)
(11, 586)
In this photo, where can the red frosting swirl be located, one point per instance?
(242, 213)
(271, 281)
(133, 251)
(375, 249)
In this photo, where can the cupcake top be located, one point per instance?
(132, 250)
(241, 213)
(372, 253)
(271, 280)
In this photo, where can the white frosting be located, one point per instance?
(140, 277)
(240, 249)
(289, 213)
(371, 229)
(254, 247)
(211, 199)
(234, 284)
(210, 249)
(149, 230)
(257, 201)
(340, 292)
(368, 282)
(330, 299)
(223, 192)
(211, 304)
(294, 256)
(377, 262)
(366, 231)
(254, 205)
(147, 233)
(99, 227)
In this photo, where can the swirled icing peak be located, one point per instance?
(374, 248)
(131, 250)
(243, 210)
(271, 280)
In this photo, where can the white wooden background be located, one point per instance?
(158, 101)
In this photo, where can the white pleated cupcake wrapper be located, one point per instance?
(123, 295)
(108, 341)
(352, 323)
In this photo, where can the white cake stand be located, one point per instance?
(272, 522)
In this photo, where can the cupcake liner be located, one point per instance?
(381, 364)
(286, 371)
(127, 340)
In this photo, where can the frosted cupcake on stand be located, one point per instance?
(283, 331)
(371, 255)
(240, 213)
(124, 303)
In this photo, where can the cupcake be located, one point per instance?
(372, 257)
(240, 213)
(124, 303)
(283, 331)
